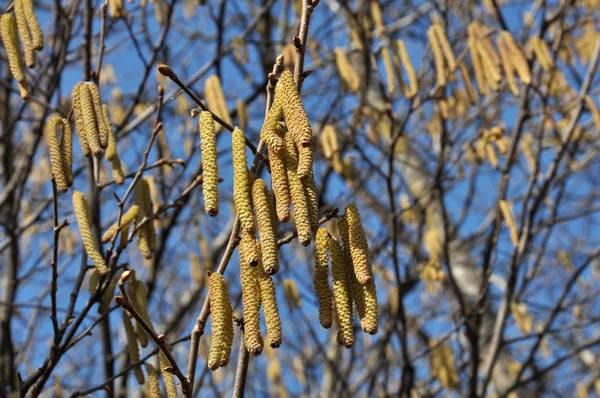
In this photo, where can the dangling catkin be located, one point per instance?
(241, 183)
(389, 70)
(268, 133)
(251, 303)
(279, 183)
(445, 46)
(24, 34)
(8, 31)
(208, 144)
(507, 65)
(286, 94)
(517, 58)
(347, 74)
(359, 247)
(216, 100)
(242, 113)
(321, 276)
(134, 350)
(248, 249)
(111, 150)
(102, 128)
(79, 122)
(438, 57)
(56, 160)
(84, 220)
(301, 214)
(89, 119)
(167, 376)
(412, 88)
(310, 191)
(269, 305)
(267, 226)
(153, 383)
(66, 150)
(107, 296)
(222, 323)
(33, 24)
(126, 219)
(140, 303)
(146, 234)
(341, 294)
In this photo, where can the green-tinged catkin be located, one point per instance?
(341, 294)
(268, 133)
(146, 234)
(267, 226)
(359, 247)
(370, 321)
(251, 305)
(79, 122)
(153, 382)
(241, 182)
(305, 162)
(412, 88)
(208, 144)
(56, 160)
(321, 278)
(134, 350)
(66, 150)
(33, 24)
(301, 214)
(310, 191)
(84, 220)
(248, 249)
(126, 219)
(269, 306)
(89, 119)
(24, 34)
(170, 386)
(107, 296)
(94, 281)
(98, 112)
(216, 100)
(111, 153)
(222, 323)
(10, 39)
(286, 93)
(140, 303)
(279, 183)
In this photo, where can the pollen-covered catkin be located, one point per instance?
(111, 150)
(10, 39)
(33, 24)
(89, 119)
(286, 93)
(310, 191)
(222, 323)
(102, 128)
(167, 376)
(321, 277)
(359, 247)
(267, 226)
(438, 57)
(56, 161)
(268, 133)
(248, 249)
(269, 305)
(107, 296)
(79, 122)
(66, 150)
(84, 220)
(412, 88)
(341, 294)
(301, 214)
(153, 383)
(146, 234)
(279, 183)
(251, 304)
(134, 350)
(126, 219)
(241, 183)
(208, 144)
(216, 100)
(24, 34)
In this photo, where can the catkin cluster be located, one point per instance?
(222, 322)
(89, 118)
(443, 57)
(8, 31)
(111, 149)
(241, 181)
(147, 233)
(513, 60)
(267, 226)
(61, 152)
(486, 61)
(208, 144)
(29, 30)
(84, 220)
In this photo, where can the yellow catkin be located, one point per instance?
(84, 220)
(542, 53)
(147, 233)
(140, 303)
(89, 119)
(517, 57)
(389, 70)
(329, 142)
(476, 58)
(341, 294)
(359, 247)
(267, 226)
(241, 183)
(248, 249)
(509, 218)
(301, 214)
(66, 150)
(321, 278)
(251, 304)
(10, 39)
(79, 122)
(269, 305)
(412, 88)
(279, 183)
(24, 34)
(312, 200)
(107, 296)
(222, 323)
(491, 69)
(438, 57)
(167, 377)
(270, 127)
(377, 16)
(445, 46)
(153, 382)
(215, 99)
(208, 144)
(347, 74)
(56, 159)
(100, 119)
(507, 65)
(126, 219)
(33, 24)
(471, 92)
(134, 350)
(111, 153)
(242, 113)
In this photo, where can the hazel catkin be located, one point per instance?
(134, 350)
(269, 305)
(32, 23)
(24, 34)
(341, 294)
(268, 133)
(84, 220)
(208, 144)
(101, 127)
(111, 150)
(126, 219)
(79, 122)
(279, 182)
(10, 39)
(56, 158)
(301, 214)
(222, 323)
(267, 226)
(241, 183)
(321, 276)
(310, 191)
(251, 304)
(147, 233)
(248, 249)
(216, 100)
(286, 94)
(153, 382)
(66, 150)
(89, 119)
(359, 247)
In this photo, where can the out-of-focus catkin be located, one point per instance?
(33, 25)
(268, 133)
(321, 278)
(134, 350)
(286, 94)
(153, 382)
(301, 213)
(517, 57)
(98, 113)
(412, 88)
(147, 233)
(111, 153)
(24, 33)
(56, 158)
(269, 305)
(10, 39)
(216, 100)
(267, 225)
(167, 376)
(348, 75)
(126, 219)
(341, 294)
(79, 122)
(251, 303)
(279, 183)
(241, 182)
(359, 247)
(140, 303)
(438, 57)
(84, 220)
(208, 144)
(66, 150)
(89, 119)
(107, 296)
(222, 323)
